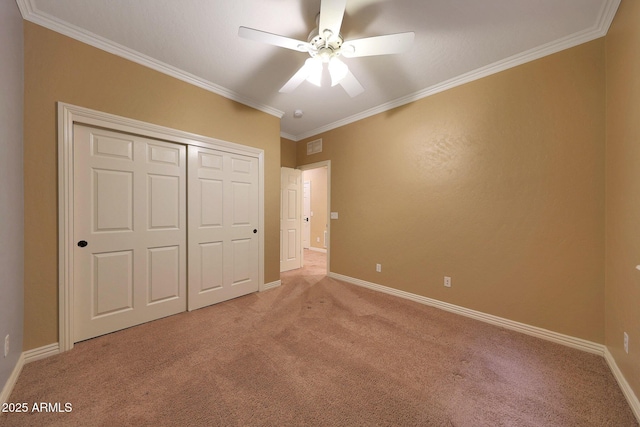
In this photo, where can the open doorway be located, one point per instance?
(316, 180)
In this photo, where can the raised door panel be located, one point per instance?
(210, 193)
(164, 155)
(241, 261)
(292, 244)
(163, 202)
(163, 280)
(293, 211)
(241, 204)
(112, 200)
(111, 146)
(112, 283)
(211, 267)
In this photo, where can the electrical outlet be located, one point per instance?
(379, 268)
(447, 281)
(317, 240)
(6, 345)
(626, 343)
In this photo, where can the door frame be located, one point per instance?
(317, 165)
(68, 115)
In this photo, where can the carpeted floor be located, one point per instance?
(319, 352)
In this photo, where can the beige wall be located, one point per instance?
(498, 183)
(318, 179)
(622, 301)
(58, 68)
(287, 153)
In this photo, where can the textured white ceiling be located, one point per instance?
(197, 40)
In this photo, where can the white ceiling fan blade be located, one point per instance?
(351, 85)
(301, 75)
(331, 14)
(379, 45)
(354, 6)
(273, 39)
(338, 70)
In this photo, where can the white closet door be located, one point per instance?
(130, 229)
(290, 219)
(223, 220)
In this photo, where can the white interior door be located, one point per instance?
(130, 229)
(223, 222)
(290, 219)
(306, 216)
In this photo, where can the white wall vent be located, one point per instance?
(314, 147)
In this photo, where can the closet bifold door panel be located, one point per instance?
(130, 229)
(223, 209)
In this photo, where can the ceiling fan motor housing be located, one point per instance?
(326, 45)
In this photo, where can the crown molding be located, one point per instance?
(31, 13)
(289, 136)
(599, 29)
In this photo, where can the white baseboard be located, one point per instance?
(271, 285)
(26, 357)
(545, 334)
(624, 385)
(11, 381)
(311, 248)
(41, 352)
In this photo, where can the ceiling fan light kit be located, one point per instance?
(325, 45)
(315, 71)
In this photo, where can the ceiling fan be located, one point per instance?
(325, 45)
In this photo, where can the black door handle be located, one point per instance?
(82, 243)
(255, 231)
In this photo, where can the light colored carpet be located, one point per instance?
(319, 352)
